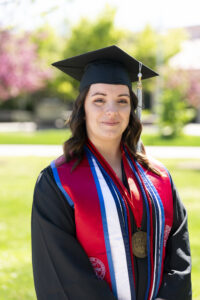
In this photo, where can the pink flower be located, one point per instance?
(21, 70)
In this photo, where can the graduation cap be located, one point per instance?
(107, 65)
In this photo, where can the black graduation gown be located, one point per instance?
(61, 268)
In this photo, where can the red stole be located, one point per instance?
(91, 217)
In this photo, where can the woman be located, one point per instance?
(107, 222)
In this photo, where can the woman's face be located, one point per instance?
(107, 111)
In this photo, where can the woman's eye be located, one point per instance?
(98, 100)
(123, 101)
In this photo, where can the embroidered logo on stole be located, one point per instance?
(98, 266)
(166, 234)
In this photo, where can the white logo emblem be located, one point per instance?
(98, 266)
(166, 234)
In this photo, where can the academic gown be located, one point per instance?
(61, 268)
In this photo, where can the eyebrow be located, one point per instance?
(103, 94)
(98, 93)
(126, 95)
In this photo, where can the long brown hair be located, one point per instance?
(74, 146)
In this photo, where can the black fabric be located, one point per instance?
(90, 67)
(62, 269)
(176, 282)
(105, 72)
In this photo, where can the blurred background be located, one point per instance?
(36, 100)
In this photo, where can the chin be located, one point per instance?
(110, 136)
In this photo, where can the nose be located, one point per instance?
(111, 109)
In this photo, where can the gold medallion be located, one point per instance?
(139, 244)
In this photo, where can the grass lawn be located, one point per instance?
(18, 176)
(57, 137)
(42, 137)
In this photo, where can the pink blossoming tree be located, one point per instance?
(21, 71)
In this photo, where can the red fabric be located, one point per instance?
(89, 228)
(163, 187)
(80, 186)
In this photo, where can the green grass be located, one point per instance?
(184, 140)
(41, 137)
(57, 137)
(18, 176)
(186, 175)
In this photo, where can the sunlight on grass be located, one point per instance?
(186, 175)
(58, 136)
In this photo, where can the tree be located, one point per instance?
(170, 96)
(50, 47)
(193, 91)
(86, 36)
(49, 44)
(21, 71)
(153, 49)
(174, 111)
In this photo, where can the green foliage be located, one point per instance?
(174, 113)
(173, 108)
(87, 36)
(50, 48)
(154, 49)
(145, 46)
(90, 35)
(49, 44)
(170, 43)
(148, 46)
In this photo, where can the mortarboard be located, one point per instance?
(106, 65)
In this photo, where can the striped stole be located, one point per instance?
(102, 219)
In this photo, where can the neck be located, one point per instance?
(110, 150)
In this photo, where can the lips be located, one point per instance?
(110, 123)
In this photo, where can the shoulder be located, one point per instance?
(157, 164)
(166, 177)
(49, 204)
(45, 178)
(162, 180)
(46, 191)
(49, 201)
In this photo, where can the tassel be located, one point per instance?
(139, 96)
